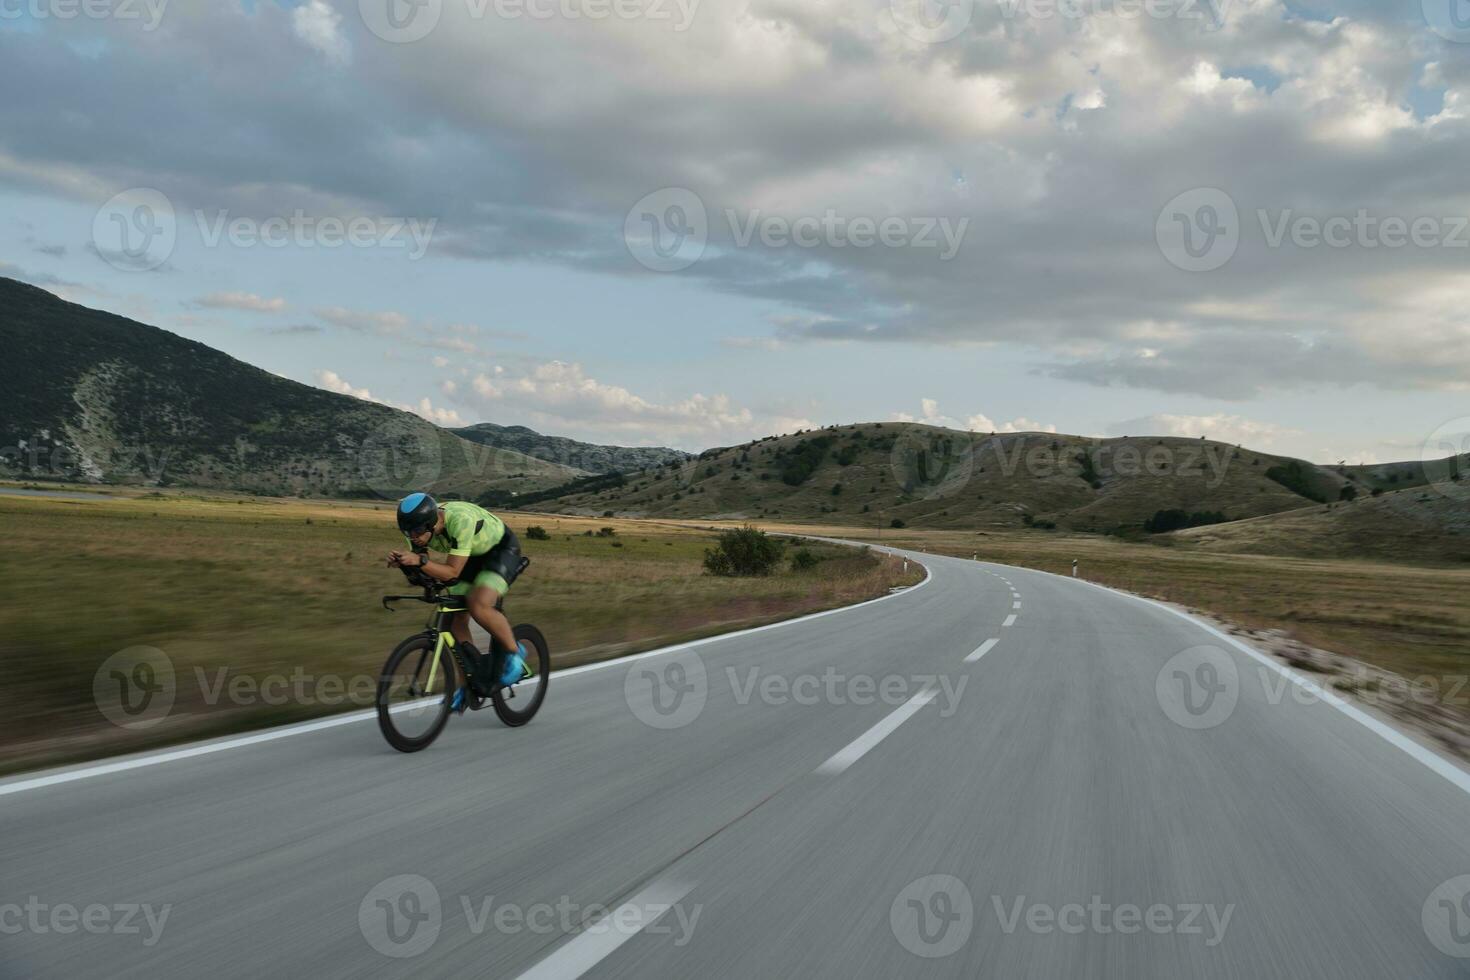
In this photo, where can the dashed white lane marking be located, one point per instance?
(1016, 604)
(984, 648)
(600, 940)
(860, 746)
(1010, 620)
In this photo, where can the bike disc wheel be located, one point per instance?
(413, 707)
(518, 704)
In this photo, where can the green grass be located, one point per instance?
(264, 588)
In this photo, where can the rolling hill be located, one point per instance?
(923, 476)
(585, 456)
(97, 397)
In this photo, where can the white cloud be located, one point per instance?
(931, 415)
(248, 302)
(318, 26)
(1219, 427)
(332, 381)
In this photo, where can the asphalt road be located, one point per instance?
(1106, 790)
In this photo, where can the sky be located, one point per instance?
(691, 222)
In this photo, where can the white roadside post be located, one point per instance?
(1074, 568)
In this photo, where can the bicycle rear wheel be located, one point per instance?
(413, 707)
(518, 704)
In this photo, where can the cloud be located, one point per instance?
(1219, 427)
(931, 415)
(1060, 139)
(318, 26)
(247, 302)
(332, 381)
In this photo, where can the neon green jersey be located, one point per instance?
(468, 530)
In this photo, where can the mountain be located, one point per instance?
(1413, 526)
(877, 473)
(98, 397)
(585, 456)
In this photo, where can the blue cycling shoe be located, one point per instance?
(457, 704)
(515, 667)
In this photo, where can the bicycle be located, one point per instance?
(417, 688)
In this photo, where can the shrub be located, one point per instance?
(1294, 477)
(1349, 493)
(537, 533)
(743, 552)
(803, 560)
(607, 532)
(1377, 491)
(802, 462)
(1165, 521)
(607, 513)
(898, 522)
(836, 489)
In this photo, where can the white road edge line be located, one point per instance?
(1388, 733)
(983, 649)
(860, 746)
(599, 941)
(23, 784)
(1010, 621)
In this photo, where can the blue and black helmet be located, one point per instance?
(417, 513)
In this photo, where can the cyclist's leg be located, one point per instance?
(482, 601)
(459, 628)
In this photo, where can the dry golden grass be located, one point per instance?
(263, 588)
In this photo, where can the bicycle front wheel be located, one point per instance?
(414, 694)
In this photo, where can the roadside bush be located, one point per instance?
(803, 561)
(743, 552)
(537, 533)
(607, 532)
(1165, 521)
(898, 522)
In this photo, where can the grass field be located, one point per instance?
(239, 593)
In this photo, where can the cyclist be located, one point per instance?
(484, 557)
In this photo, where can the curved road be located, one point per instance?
(1000, 773)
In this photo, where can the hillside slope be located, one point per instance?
(93, 396)
(1410, 526)
(586, 456)
(924, 476)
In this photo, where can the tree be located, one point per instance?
(744, 552)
